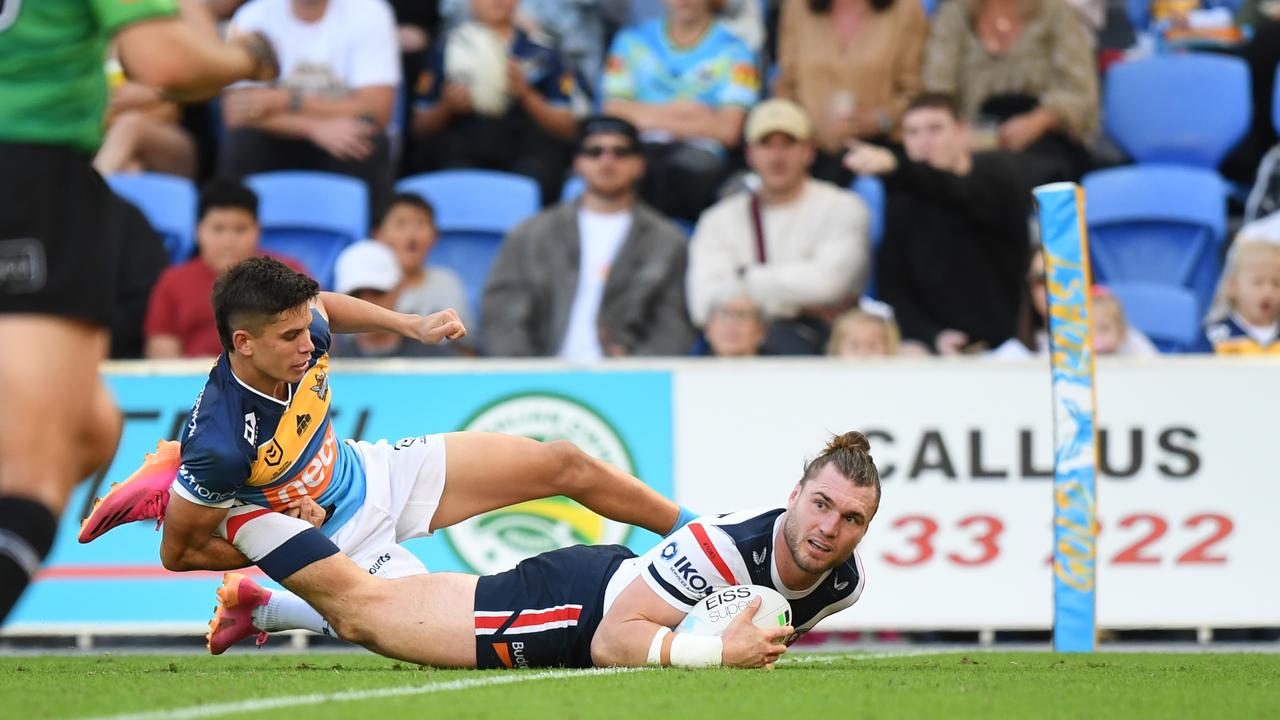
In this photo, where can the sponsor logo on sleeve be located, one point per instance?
(200, 491)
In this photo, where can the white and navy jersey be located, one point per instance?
(714, 552)
(239, 444)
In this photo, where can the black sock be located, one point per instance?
(26, 536)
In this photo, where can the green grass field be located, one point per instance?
(950, 685)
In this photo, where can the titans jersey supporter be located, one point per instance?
(645, 66)
(239, 444)
(1232, 336)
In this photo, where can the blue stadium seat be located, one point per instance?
(168, 202)
(1159, 224)
(871, 189)
(1179, 109)
(1168, 315)
(311, 216)
(573, 187)
(474, 210)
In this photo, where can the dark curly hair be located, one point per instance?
(253, 292)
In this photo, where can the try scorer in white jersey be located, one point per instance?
(598, 605)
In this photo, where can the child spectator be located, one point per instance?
(868, 330)
(408, 228)
(1112, 333)
(179, 316)
(735, 328)
(1245, 316)
(370, 271)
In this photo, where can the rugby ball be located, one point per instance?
(714, 612)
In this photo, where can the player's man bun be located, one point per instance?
(852, 441)
(850, 453)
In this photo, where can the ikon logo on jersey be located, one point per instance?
(688, 576)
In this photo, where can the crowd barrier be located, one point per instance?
(962, 539)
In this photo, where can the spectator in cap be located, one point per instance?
(797, 247)
(599, 276)
(370, 271)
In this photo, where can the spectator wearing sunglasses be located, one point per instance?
(599, 276)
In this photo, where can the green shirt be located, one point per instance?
(53, 88)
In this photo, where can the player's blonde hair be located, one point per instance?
(850, 452)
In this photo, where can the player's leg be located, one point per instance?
(426, 619)
(486, 471)
(57, 424)
(421, 618)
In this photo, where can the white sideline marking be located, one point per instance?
(260, 704)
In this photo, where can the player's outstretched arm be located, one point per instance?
(348, 314)
(180, 56)
(189, 542)
(635, 632)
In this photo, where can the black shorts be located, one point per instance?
(59, 237)
(544, 611)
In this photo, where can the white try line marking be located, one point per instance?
(826, 659)
(260, 704)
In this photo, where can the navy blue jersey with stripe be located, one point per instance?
(714, 552)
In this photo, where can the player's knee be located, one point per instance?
(352, 629)
(573, 474)
(358, 627)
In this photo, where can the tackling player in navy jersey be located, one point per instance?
(259, 439)
(593, 605)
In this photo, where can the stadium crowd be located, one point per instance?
(716, 177)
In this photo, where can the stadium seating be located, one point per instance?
(474, 210)
(311, 216)
(1158, 224)
(871, 190)
(573, 187)
(1181, 109)
(1168, 315)
(168, 202)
